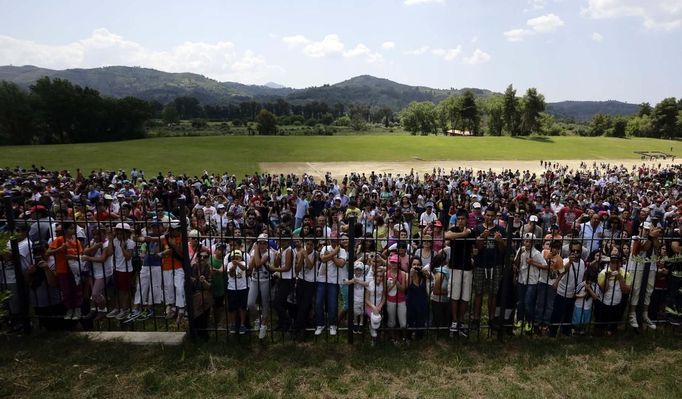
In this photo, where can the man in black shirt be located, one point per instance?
(489, 263)
(460, 264)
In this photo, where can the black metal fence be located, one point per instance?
(72, 270)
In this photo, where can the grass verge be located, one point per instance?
(65, 366)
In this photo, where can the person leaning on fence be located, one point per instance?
(643, 255)
(417, 298)
(171, 266)
(237, 290)
(375, 299)
(587, 292)
(615, 282)
(123, 248)
(100, 253)
(673, 308)
(527, 265)
(546, 285)
(66, 248)
(359, 283)
(564, 300)
(490, 241)
(262, 262)
(149, 290)
(287, 279)
(459, 262)
(331, 272)
(202, 297)
(39, 272)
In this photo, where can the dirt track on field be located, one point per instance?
(338, 169)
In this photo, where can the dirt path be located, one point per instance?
(338, 169)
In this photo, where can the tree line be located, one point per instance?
(521, 116)
(56, 112)
(493, 115)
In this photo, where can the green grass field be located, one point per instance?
(68, 367)
(241, 154)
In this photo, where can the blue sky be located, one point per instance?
(628, 50)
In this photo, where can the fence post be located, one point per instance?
(22, 293)
(351, 287)
(189, 295)
(507, 275)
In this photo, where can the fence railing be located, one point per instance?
(241, 280)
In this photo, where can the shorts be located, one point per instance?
(123, 280)
(237, 299)
(581, 316)
(487, 277)
(459, 287)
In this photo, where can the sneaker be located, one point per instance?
(674, 320)
(373, 332)
(632, 320)
(242, 330)
(262, 331)
(170, 313)
(145, 314)
(76, 314)
(649, 323)
(528, 327)
(102, 310)
(463, 331)
(233, 329)
(319, 330)
(132, 316)
(113, 314)
(69, 314)
(453, 327)
(123, 314)
(518, 324)
(332, 330)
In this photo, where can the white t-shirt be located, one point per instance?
(586, 301)
(291, 273)
(121, 264)
(427, 218)
(309, 274)
(101, 269)
(262, 273)
(575, 273)
(375, 292)
(530, 274)
(329, 272)
(238, 282)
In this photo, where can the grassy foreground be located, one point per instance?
(67, 367)
(241, 154)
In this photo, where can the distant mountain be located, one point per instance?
(582, 111)
(274, 85)
(150, 84)
(374, 91)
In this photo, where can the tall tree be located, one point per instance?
(665, 118)
(419, 117)
(267, 123)
(533, 105)
(494, 109)
(16, 118)
(471, 117)
(510, 111)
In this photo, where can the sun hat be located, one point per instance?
(375, 320)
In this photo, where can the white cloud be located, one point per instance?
(655, 14)
(542, 24)
(331, 45)
(597, 37)
(517, 35)
(219, 60)
(537, 4)
(418, 51)
(364, 52)
(474, 39)
(447, 54)
(478, 57)
(294, 41)
(388, 45)
(545, 23)
(419, 2)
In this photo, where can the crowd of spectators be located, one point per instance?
(559, 251)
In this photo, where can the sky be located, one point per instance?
(627, 50)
